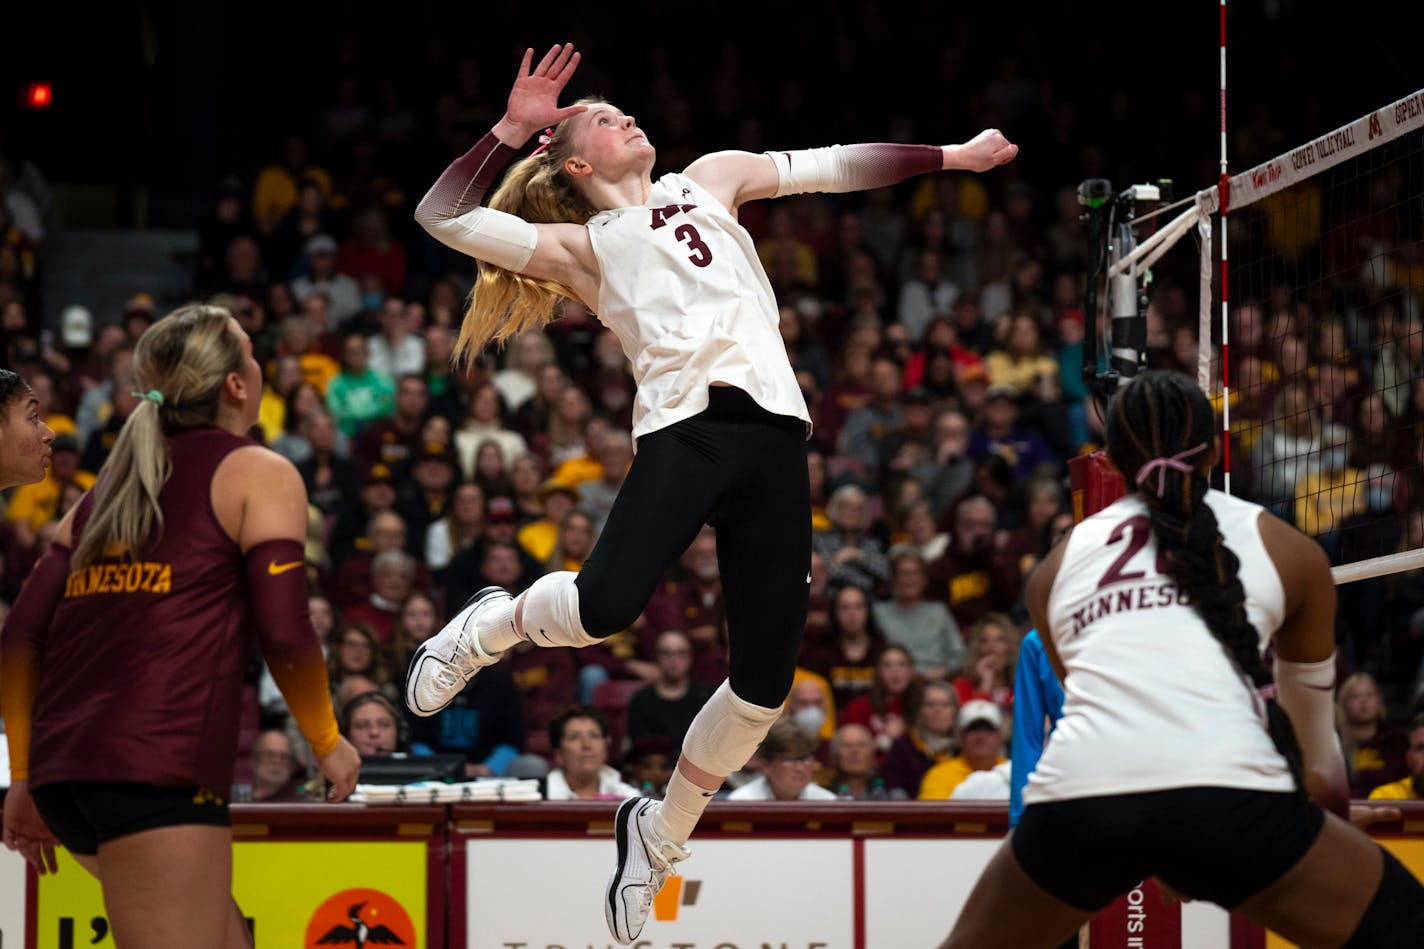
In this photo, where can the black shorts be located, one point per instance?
(85, 814)
(1216, 844)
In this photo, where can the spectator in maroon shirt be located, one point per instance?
(1374, 748)
(546, 680)
(392, 580)
(395, 439)
(846, 656)
(371, 252)
(689, 598)
(977, 573)
(892, 702)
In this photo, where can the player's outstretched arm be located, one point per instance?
(737, 177)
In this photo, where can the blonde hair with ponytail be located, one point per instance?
(536, 188)
(180, 365)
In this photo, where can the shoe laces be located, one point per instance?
(447, 675)
(665, 856)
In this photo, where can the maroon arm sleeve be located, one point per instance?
(883, 164)
(464, 184)
(842, 168)
(22, 643)
(277, 583)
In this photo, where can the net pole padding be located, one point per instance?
(1225, 370)
(1094, 483)
(1223, 184)
(1378, 566)
(1204, 229)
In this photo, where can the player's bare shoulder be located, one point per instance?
(734, 177)
(1300, 562)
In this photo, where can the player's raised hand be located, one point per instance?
(986, 150)
(534, 100)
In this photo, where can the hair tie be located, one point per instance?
(152, 395)
(544, 139)
(1160, 465)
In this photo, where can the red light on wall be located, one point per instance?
(39, 95)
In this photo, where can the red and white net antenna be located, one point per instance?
(1223, 186)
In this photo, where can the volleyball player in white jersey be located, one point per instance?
(719, 419)
(1167, 762)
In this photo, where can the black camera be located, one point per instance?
(1095, 192)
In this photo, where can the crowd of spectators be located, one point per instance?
(936, 330)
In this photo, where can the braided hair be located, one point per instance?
(12, 389)
(1155, 422)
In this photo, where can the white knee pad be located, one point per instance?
(547, 614)
(726, 732)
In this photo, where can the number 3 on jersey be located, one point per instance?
(701, 255)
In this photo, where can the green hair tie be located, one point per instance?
(152, 395)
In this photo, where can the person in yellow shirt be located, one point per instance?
(1021, 360)
(35, 505)
(275, 191)
(586, 467)
(1326, 497)
(981, 748)
(1412, 787)
(538, 539)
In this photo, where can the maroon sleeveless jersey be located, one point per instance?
(141, 678)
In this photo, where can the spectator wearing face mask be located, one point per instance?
(811, 706)
(1328, 495)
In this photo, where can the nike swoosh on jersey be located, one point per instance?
(274, 568)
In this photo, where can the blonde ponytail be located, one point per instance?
(181, 363)
(503, 303)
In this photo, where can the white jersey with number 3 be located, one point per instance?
(684, 291)
(1151, 700)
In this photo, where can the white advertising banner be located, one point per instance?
(914, 889)
(732, 894)
(12, 899)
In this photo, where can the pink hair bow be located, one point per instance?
(1160, 465)
(544, 140)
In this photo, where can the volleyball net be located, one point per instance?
(1308, 323)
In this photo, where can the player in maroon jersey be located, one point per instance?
(121, 663)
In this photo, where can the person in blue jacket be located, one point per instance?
(1037, 695)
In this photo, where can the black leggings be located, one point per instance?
(742, 470)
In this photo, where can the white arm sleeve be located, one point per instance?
(810, 169)
(1306, 690)
(486, 234)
